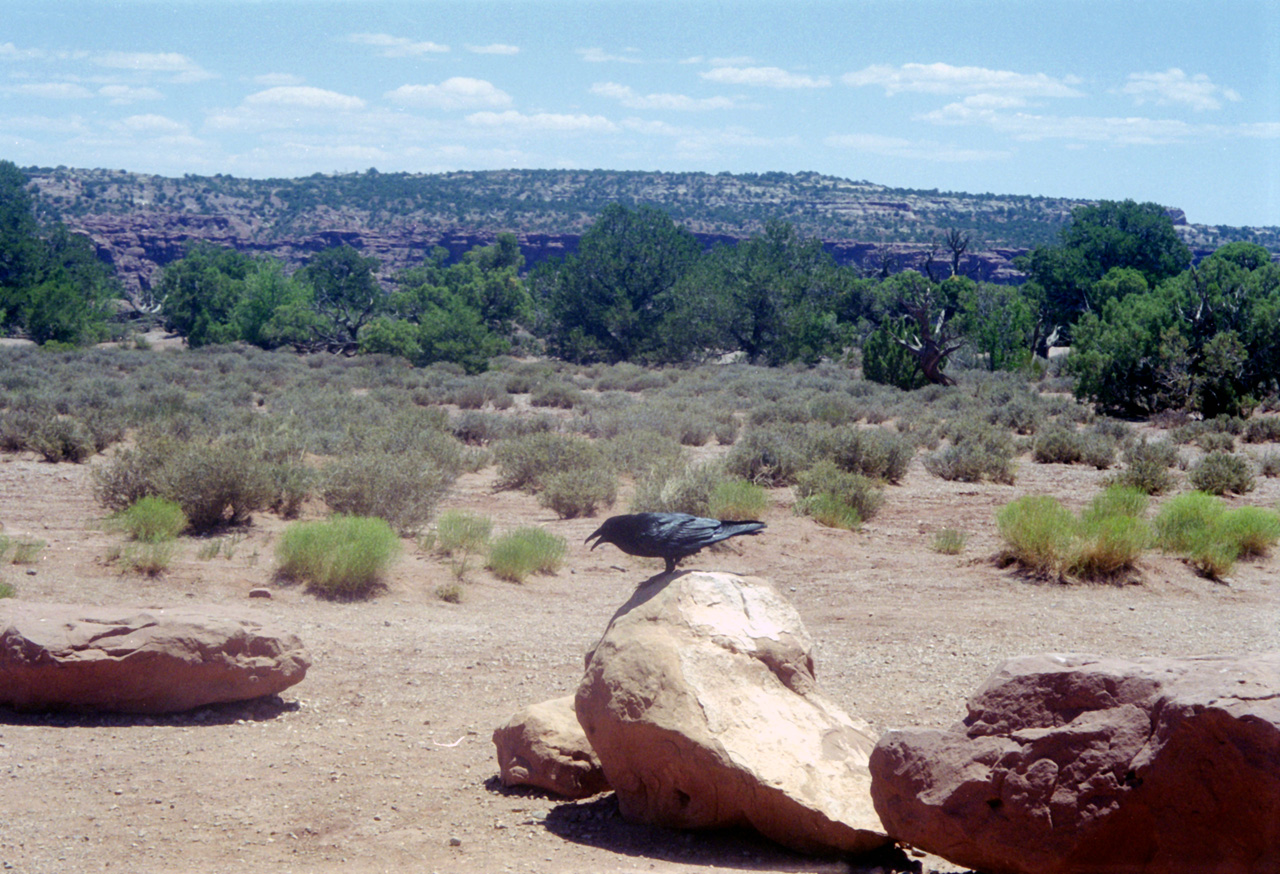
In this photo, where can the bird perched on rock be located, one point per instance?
(669, 536)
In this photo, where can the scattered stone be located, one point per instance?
(163, 660)
(259, 593)
(544, 746)
(701, 702)
(1071, 763)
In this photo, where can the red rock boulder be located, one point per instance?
(1075, 763)
(155, 660)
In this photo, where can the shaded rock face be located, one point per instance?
(544, 746)
(1075, 763)
(701, 702)
(55, 656)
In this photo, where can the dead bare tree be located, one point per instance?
(929, 311)
(957, 242)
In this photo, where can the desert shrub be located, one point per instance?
(737, 500)
(458, 531)
(872, 452)
(851, 489)
(1216, 441)
(559, 395)
(1022, 414)
(519, 554)
(1262, 429)
(1037, 531)
(977, 452)
(20, 550)
(770, 455)
(637, 452)
(834, 408)
(292, 484)
(949, 541)
(402, 489)
(341, 557)
(1147, 466)
(151, 519)
(1111, 534)
(677, 487)
(524, 461)
(1064, 446)
(150, 558)
(214, 483)
(1221, 472)
(7, 590)
(62, 438)
(573, 493)
(1269, 464)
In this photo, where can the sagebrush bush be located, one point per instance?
(1269, 464)
(402, 489)
(1221, 472)
(151, 519)
(1262, 429)
(519, 554)
(62, 438)
(637, 452)
(573, 493)
(558, 395)
(770, 455)
(341, 557)
(524, 461)
(1063, 446)
(737, 500)
(851, 489)
(1147, 466)
(215, 483)
(872, 452)
(677, 487)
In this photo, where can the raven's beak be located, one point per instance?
(597, 533)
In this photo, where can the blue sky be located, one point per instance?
(1173, 102)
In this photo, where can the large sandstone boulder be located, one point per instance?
(544, 746)
(1076, 763)
(162, 660)
(701, 702)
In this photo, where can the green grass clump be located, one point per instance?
(518, 554)
(1212, 537)
(949, 541)
(150, 519)
(738, 500)
(830, 510)
(7, 590)
(341, 557)
(461, 532)
(24, 550)
(1221, 472)
(1037, 531)
(149, 557)
(1104, 541)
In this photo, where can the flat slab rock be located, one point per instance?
(131, 660)
(701, 702)
(1074, 763)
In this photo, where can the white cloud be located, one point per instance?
(546, 121)
(152, 125)
(496, 48)
(305, 97)
(766, 77)
(1174, 87)
(50, 90)
(459, 92)
(397, 46)
(121, 94)
(946, 79)
(916, 150)
(1131, 130)
(179, 67)
(600, 56)
(627, 96)
(271, 80)
(10, 52)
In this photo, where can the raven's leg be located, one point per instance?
(671, 564)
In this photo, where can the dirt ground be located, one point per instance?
(381, 759)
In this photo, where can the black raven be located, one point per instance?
(669, 536)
